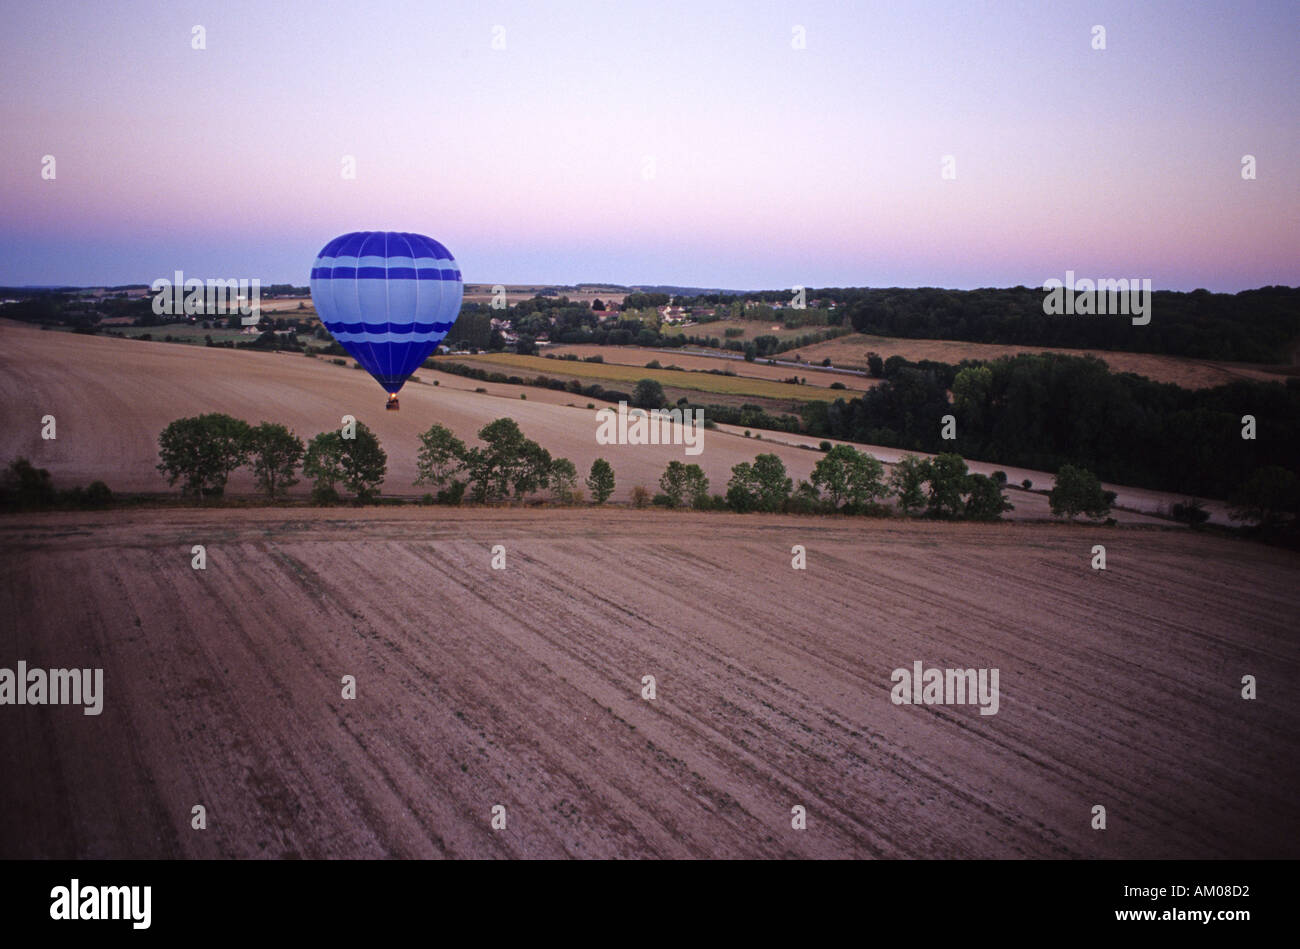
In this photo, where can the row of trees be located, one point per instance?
(507, 465)
(203, 451)
(844, 481)
(24, 487)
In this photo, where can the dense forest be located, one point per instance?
(1250, 326)
(1045, 410)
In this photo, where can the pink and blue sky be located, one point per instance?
(772, 166)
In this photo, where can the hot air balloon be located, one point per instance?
(388, 298)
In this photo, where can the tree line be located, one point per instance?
(1251, 326)
(1047, 410)
(201, 453)
(844, 481)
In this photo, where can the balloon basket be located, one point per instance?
(392, 405)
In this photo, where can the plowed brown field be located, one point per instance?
(522, 687)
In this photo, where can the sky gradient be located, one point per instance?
(772, 166)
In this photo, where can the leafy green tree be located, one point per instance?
(274, 453)
(742, 489)
(478, 470)
(946, 476)
(847, 474)
(601, 480)
(563, 479)
(673, 483)
(498, 464)
(98, 494)
(685, 485)
(202, 451)
(907, 479)
(506, 463)
(364, 463)
(535, 471)
(452, 494)
(1267, 498)
(648, 394)
(806, 499)
(26, 486)
(441, 456)
(986, 501)
(323, 463)
(643, 301)
(1078, 491)
(773, 484)
(358, 464)
(972, 390)
(472, 329)
(697, 487)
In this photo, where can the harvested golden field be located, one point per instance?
(299, 306)
(111, 398)
(531, 366)
(759, 369)
(751, 329)
(850, 352)
(523, 687)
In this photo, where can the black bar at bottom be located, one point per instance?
(336, 899)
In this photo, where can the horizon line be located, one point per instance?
(643, 287)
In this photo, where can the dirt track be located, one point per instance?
(522, 687)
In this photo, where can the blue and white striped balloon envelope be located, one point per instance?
(388, 298)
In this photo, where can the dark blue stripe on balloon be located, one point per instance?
(349, 244)
(389, 328)
(380, 273)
